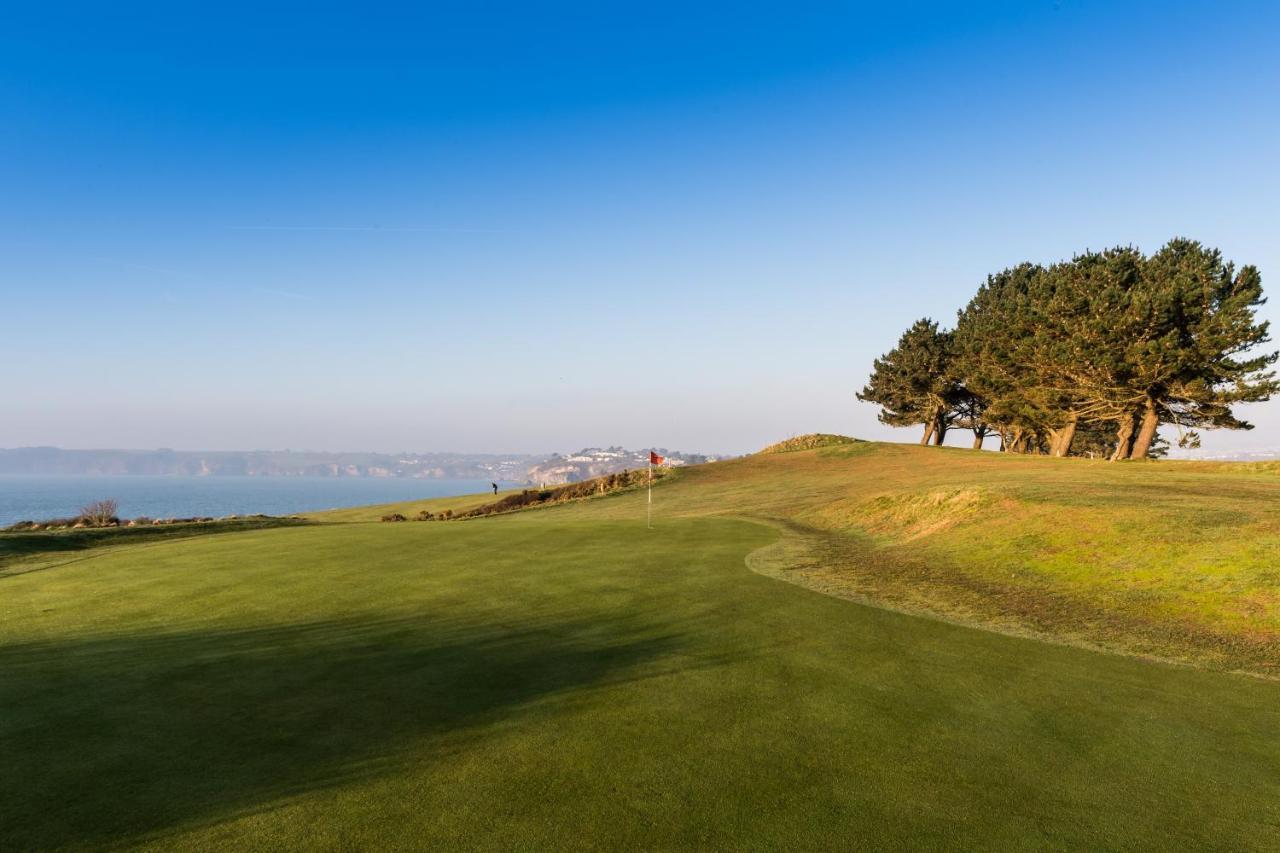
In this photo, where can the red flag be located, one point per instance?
(655, 459)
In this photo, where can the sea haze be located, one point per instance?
(38, 497)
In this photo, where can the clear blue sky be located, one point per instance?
(541, 226)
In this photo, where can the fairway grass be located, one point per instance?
(566, 678)
(1168, 560)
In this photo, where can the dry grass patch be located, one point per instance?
(812, 441)
(907, 517)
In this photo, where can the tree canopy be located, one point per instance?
(1110, 341)
(913, 382)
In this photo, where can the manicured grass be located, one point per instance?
(26, 551)
(1175, 560)
(457, 503)
(567, 678)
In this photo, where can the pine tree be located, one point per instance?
(1086, 328)
(1108, 340)
(914, 382)
(1196, 361)
(993, 360)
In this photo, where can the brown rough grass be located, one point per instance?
(812, 441)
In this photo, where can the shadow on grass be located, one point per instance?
(117, 739)
(17, 546)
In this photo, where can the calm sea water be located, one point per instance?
(37, 497)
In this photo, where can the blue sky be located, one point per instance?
(537, 227)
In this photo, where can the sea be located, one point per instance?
(36, 497)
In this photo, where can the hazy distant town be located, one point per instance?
(547, 469)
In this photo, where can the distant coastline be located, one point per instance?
(39, 497)
(552, 468)
(263, 463)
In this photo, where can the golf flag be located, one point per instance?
(654, 459)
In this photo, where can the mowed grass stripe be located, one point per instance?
(549, 681)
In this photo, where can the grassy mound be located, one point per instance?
(812, 441)
(909, 516)
(566, 677)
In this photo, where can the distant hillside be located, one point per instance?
(551, 469)
(595, 462)
(265, 463)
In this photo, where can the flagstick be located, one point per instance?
(648, 515)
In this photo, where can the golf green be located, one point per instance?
(544, 680)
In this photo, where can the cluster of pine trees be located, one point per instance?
(1087, 356)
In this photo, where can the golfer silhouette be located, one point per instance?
(495, 487)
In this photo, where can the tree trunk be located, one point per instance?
(1066, 435)
(1124, 438)
(1055, 436)
(937, 428)
(978, 436)
(928, 431)
(1147, 434)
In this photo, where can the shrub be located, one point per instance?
(100, 513)
(809, 442)
(425, 516)
(602, 485)
(394, 516)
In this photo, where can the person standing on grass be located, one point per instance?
(495, 489)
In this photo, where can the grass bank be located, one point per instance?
(1175, 560)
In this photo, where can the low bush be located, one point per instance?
(598, 486)
(394, 516)
(809, 442)
(99, 513)
(54, 524)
